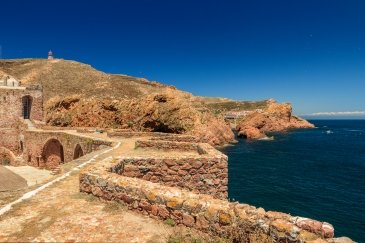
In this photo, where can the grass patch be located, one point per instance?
(170, 222)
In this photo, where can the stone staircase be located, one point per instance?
(56, 170)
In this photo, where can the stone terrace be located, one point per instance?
(163, 179)
(153, 186)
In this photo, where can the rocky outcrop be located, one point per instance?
(169, 112)
(275, 118)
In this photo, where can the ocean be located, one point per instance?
(316, 173)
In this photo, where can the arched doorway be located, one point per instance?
(78, 152)
(27, 106)
(53, 154)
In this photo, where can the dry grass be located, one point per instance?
(65, 78)
(84, 196)
(113, 206)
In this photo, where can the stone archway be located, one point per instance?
(26, 106)
(6, 156)
(78, 152)
(53, 154)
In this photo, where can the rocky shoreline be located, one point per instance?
(275, 118)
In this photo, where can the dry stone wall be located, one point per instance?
(206, 173)
(199, 211)
(169, 188)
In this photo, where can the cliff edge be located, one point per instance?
(275, 118)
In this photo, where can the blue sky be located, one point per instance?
(308, 52)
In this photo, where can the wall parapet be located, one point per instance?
(203, 212)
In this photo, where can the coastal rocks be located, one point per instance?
(314, 226)
(341, 240)
(275, 118)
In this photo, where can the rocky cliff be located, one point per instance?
(169, 111)
(76, 94)
(275, 118)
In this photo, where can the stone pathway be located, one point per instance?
(61, 213)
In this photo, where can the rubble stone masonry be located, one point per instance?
(197, 210)
(11, 114)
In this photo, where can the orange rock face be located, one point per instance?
(275, 118)
(170, 112)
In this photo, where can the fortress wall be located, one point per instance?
(208, 175)
(177, 138)
(35, 146)
(214, 216)
(167, 145)
(11, 110)
(154, 135)
(125, 133)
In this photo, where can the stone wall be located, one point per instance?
(126, 133)
(202, 212)
(206, 173)
(169, 145)
(41, 145)
(11, 112)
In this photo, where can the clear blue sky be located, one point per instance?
(308, 52)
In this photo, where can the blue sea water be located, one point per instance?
(317, 173)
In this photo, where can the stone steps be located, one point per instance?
(56, 170)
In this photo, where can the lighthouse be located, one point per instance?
(50, 55)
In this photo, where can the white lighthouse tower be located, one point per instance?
(50, 55)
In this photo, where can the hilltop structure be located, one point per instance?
(50, 55)
(9, 81)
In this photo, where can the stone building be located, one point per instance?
(23, 141)
(9, 81)
(17, 104)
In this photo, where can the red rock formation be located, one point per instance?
(170, 112)
(275, 118)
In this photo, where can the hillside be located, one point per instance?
(77, 95)
(65, 78)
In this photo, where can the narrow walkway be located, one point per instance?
(60, 212)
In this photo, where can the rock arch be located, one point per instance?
(26, 106)
(78, 152)
(6, 157)
(52, 153)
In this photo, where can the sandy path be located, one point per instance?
(61, 213)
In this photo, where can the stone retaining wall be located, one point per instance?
(177, 138)
(202, 212)
(207, 175)
(169, 145)
(129, 134)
